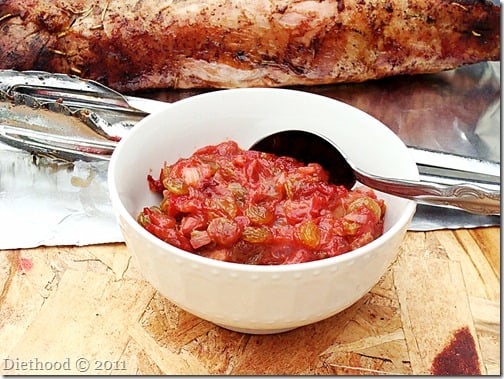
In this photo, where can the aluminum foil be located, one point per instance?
(47, 202)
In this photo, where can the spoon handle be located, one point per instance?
(468, 197)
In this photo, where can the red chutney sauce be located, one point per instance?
(251, 207)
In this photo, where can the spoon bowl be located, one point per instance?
(307, 147)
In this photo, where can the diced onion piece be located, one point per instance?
(191, 176)
(199, 238)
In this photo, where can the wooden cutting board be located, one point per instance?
(87, 310)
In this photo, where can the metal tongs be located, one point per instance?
(56, 146)
(102, 110)
(109, 115)
(74, 92)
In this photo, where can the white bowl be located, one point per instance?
(248, 298)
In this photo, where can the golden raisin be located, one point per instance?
(367, 202)
(259, 234)
(308, 233)
(259, 215)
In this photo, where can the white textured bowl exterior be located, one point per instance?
(247, 298)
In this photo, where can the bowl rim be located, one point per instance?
(121, 211)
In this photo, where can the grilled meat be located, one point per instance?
(144, 44)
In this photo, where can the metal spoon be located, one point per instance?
(309, 147)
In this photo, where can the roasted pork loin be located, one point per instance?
(145, 44)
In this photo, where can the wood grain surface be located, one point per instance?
(87, 310)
